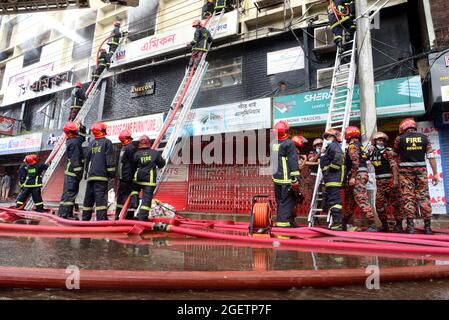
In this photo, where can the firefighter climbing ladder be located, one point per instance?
(342, 90)
(59, 149)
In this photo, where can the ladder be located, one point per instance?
(342, 90)
(60, 147)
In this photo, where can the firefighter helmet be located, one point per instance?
(380, 135)
(99, 129)
(299, 141)
(196, 23)
(281, 128)
(332, 132)
(144, 141)
(125, 137)
(406, 124)
(317, 142)
(78, 84)
(352, 132)
(30, 159)
(71, 129)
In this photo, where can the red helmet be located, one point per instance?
(380, 135)
(332, 132)
(406, 124)
(78, 84)
(299, 141)
(196, 23)
(281, 128)
(144, 141)
(71, 129)
(317, 141)
(99, 129)
(30, 159)
(125, 137)
(352, 132)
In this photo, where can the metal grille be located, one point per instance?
(25, 6)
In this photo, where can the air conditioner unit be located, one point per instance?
(323, 37)
(324, 77)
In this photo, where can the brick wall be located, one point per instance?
(440, 16)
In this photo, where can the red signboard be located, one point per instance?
(7, 125)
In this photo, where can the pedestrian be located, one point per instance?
(146, 160)
(99, 168)
(356, 193)
(6, 186)
(30, 179)
(126, 171)
(341, 15)
(332, 166)
(74, 169)
(413, 148)
(383, 160)
(286, 177)
(200, 43)
(78, 97)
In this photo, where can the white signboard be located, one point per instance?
(285, 60)
(170, 40)
(437, 194)
(445, 93)
(21, 144)
(149, 125)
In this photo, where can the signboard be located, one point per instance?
(149, 125)
(233, 117)
(285, 60)
(437, 194)
(396, 97)
(169, 41)
(7, 125)
(446, 61)
(49, 139)
(440, 77)
(444, 93)
(21, 144)
(144, 89)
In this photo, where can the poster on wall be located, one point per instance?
(437, 194)
(285, 60)
(21, 144)
(7, 125)
(149, 125)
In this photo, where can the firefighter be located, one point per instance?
(332, 165)
(103, 62)
(74, 169)
(115, 38)
(30, 179)
(357, 178)
(99, 167)
(78, 97)
(286, 177)
(200, 43)
(125, 172)
(224, 4)
(341, 14)
(145, 161)
(412, 148)
(313, 161)
(383, 160)
(208, 9)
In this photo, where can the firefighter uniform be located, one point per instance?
(200, 43)
(208, 9)
(115, 39)
(341, 14)
(333, 168)
(30, 178)
(126, 171)
(77, 102)
(356, 164)
(73, 175)
(287, 170)
(103, 62)
(145, 161)
(224, 4)
(100, 167)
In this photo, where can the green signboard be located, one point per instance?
(396, 97)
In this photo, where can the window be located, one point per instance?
(223, 73)
(82, 50)
(32, 56)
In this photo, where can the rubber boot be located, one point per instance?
(427, 229)
(410, 226)
(385, 226)
(336, 224)
(344, 224)
(398, 227)
(372, 227)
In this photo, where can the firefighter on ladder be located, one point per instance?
(333, 168)
(355, 189)
(145, 161)
(286, 176)
(341, 14)
(99, 167)
(115, 38)
(208, 9)
(103, 63)
(199, 44)
(74, 168)
(387, 192)
(77, 100)
(413, 147)
(30, 179)
(224, 4)
(126, 171)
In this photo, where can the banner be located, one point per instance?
(7, 125)
(49, 139)
(170, 40)
(26, 143)
(150, 125)
(437, 194)
(396, 97)
(285, 60)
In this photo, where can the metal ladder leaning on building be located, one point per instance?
(59, 149)
(342, 91)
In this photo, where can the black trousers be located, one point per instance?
(332, 198)
(69, 194)
(96, 194)
(98, 72)
(73, 113)
(195, 58)
(124, 190)
(36, 196)
(147, 198)
(286, 202)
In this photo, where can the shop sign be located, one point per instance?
(440, 78)
(21, 144)
(7, 125)
(142, 89)
(50, 139)
(396, 97)
(285, 60)
(175, 39)
(177, 173)
(149, 125)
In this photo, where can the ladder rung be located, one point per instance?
(320, 216)
(317, 210)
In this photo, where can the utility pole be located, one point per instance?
(368, 114)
